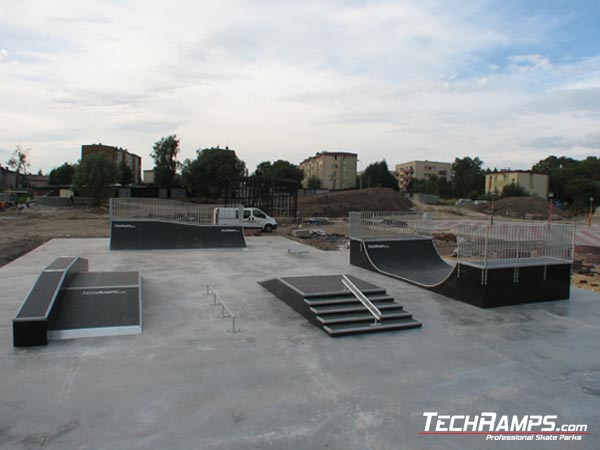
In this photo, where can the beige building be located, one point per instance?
(420, 170)
(117, 154)
(533, 183)
(336, 170)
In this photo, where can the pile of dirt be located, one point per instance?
(339, 204)
(525, 208)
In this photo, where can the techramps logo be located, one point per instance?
(497, 427)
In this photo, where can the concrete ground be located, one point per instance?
(281, 383)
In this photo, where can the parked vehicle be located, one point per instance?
(253, 218)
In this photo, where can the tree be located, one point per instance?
(125, 174)
(19, 161)
(313, 182)
(62, 175)
(207, 174)
(433, 184)
(513, 190)
(279, 169)
(378, 175)
(164, 154)
(572, 182)
(468, 177)
(94, 177)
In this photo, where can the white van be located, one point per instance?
(253, 218)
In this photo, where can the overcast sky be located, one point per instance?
(508, 81)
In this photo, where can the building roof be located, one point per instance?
(518, 171)
(326, 153)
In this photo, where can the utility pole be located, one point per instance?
(550, 205)
(591, 211)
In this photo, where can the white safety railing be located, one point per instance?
(174, 211)
(389, 224)
(515, 244)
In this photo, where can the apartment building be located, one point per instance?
(336, 170)
(117, 154)
(420, 170)
(533, 183)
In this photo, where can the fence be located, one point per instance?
(173, 211)
(389, 224)
(515, 244)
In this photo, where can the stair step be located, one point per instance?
(330, 319)
(347, 299)
(373, 291)
(344, 329)
(320, 310)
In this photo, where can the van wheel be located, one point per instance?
(268, 228)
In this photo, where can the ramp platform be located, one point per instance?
(416, 261)
(328, 304)
(69, 302)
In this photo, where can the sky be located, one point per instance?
(509, 81)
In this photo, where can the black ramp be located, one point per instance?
(414, 260)
(163, 235)
(99, 304)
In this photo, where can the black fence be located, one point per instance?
(277, 197)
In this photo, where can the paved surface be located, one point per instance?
(584, 235)
(185, 383)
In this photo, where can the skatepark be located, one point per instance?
(188, 382)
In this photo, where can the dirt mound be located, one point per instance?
(525, 208)
(339, 204)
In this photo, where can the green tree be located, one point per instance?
(62, 175)
(313, 182)
(165, 154)
(279, 169)
(378, 175)
(19, 161)
(572, 182)
(468, 177)
(433, 184)
(513, 190)
(94, 178)
(207, 174)
(125, 174)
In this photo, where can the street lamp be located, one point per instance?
(591, 211)
(492, 214)
(550, 206)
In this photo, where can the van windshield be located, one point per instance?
(258, 213)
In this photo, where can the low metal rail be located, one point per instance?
(363, 299)
(225, 311)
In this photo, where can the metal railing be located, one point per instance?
(389, 224)
(225, 313)
(363, 299)
(515, 244)
(174, 211)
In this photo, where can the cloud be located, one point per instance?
(527, 63)
(383, 78)
(589, 141)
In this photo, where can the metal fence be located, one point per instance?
(515, 244)
(173, 211)
(389, 224)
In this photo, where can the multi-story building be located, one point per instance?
(419, 170)
(533, 183)
(336, 170)
(117, 154)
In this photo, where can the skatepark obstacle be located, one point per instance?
(496, 265)
(153, 223)
(67, 301)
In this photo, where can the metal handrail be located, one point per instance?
(362, 297)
